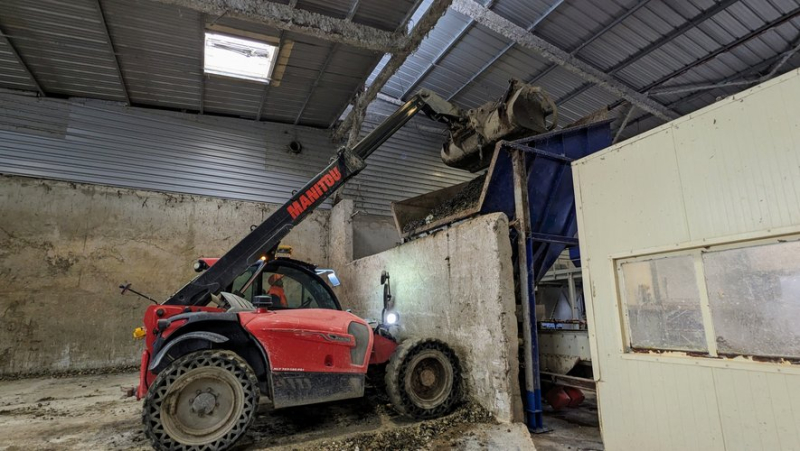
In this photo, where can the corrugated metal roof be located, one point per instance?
(64, 45)
(478, 66)
(159, 48)
(12, 74)
(160, 52)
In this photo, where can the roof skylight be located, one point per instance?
(236, 57)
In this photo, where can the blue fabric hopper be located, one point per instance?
(550, 192)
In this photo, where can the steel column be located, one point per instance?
(573, 298)
(533, 391)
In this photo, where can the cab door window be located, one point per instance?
(240, 281)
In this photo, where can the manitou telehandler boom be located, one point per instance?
(210, 355)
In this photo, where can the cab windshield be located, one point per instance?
(293, 287)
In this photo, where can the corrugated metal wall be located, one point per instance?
(105, 143)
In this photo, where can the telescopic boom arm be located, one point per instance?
(346, 164)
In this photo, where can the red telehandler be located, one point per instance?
(211, 355)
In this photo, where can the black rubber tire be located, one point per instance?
(157, 393)
(398, 378)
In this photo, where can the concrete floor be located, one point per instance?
(572, 429)
(89, 412)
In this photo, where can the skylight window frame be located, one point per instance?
(232, 74)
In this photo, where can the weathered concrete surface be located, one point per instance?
(480, 437)
(65, 247)
(340, 234)
(373, 234)
(87, 412)
(301, 21)
(457, 286)
(573, 428)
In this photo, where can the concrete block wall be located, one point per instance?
(373, 234)
(65, 247)
(456, 285)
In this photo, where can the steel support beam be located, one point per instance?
(517, 34)
(624, 123)
(402, 26)
(425, 25)
(265, 92)
(444, 52)
(669, 37)
(21, 62)
(726, 48)
(732, 81)
(672, 35)
(202, 37)
(505, 50)
(104, 25)
(334, 48)
(782, 59)
(593, 38)
(284, 17)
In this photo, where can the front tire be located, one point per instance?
(423, 378)
(204, 400)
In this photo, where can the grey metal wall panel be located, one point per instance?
(105, 143)
(108, 144)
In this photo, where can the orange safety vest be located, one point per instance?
(278, 291)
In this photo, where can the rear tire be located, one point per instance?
(205, 400)
(423, 378)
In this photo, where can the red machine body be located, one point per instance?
(327, 351)
(309, 340)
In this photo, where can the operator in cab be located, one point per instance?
(276, 289)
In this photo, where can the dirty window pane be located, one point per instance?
(755, 299)
(239, 282)
(663, 304)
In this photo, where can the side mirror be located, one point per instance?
(333, 279)
(384, 277)
(265, 301)
(331, 276)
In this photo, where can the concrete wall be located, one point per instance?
(457, 286)
(724, 176)
(65, 247)
(373, 234)
(340, 237)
